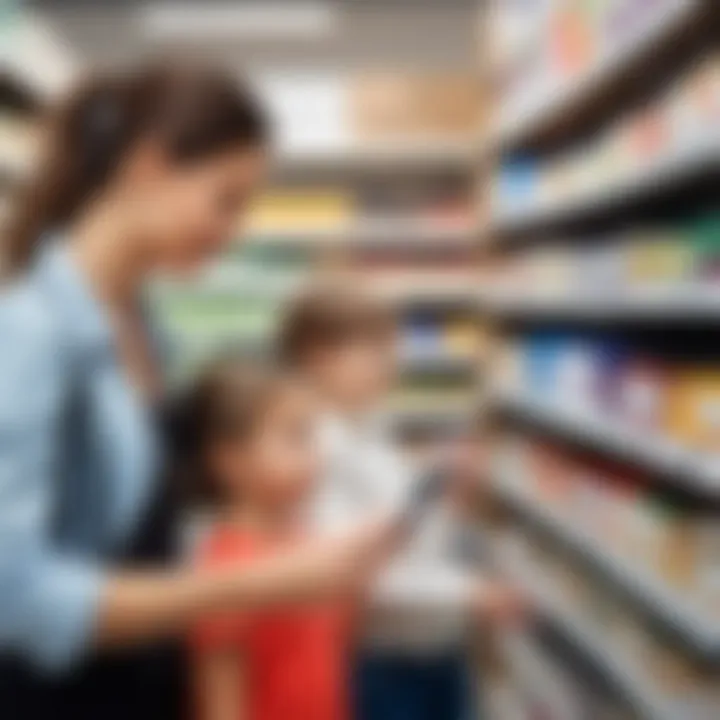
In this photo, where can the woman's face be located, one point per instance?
(186, 214)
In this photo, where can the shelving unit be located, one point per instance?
(622, 676)
(694, 627)
(662, 457)
(564, 121)
(665, 175)
(696, 306)
(568, 106)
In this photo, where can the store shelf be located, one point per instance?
(626, 679)
(438, 363)
(451, 292)
(373, 233)
(695, 305)
(372, 156)
(685, 469)
(437, 417)
(666, 174)
(691, 625)
(571, 103)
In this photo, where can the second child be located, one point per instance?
(254, 457)
(413, 660)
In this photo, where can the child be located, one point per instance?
(254, 454)
(414, 661)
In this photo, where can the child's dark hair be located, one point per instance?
(225, 403)
(329, 317)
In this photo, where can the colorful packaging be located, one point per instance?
(693, 408)
(642, 394)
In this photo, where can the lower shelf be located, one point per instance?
(693, 627)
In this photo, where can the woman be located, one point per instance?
(146, 171)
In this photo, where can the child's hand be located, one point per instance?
(499, 603)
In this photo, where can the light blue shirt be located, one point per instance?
(78, 455)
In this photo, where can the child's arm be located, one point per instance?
(221, 685)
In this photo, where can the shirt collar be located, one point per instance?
(86, 316)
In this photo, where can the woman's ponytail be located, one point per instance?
(83, 145)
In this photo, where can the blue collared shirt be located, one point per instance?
(78, 455)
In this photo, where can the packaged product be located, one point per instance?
(697, 104)
(542, 353)
(642, 393)
(692, 411)
(290, 210)
(676, 542)
(389, 106)
(577, 367)
(612, 355)
(706, 248)
(659, 260)
(707, 580)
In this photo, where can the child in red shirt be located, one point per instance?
(256, 462)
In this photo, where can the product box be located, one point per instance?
(642, 393)
(660, 260)
(577, 366)
(542, 354)
(395, 106)
(300, 210)
(705, 236)
(693, 409)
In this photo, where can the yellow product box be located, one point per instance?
(461, 338)
(653, 260)
(693, 409)
(301, 210)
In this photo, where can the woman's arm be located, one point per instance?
(55, 605)
(145, 605)
(220, 683)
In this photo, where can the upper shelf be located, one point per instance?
(655, 182)
(616, 77)
(424, 154)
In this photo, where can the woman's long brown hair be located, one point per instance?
(193, 111)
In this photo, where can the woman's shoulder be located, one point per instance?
(31, 338)
(26, 314)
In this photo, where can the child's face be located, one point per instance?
(277, 465)
(360, 373)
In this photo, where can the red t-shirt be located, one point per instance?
(294, 659)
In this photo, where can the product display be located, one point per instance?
(665, 678)
(622, 512)
(547, 46)
(607, 381)
(608, 442)
(662, 264)
(681, 124)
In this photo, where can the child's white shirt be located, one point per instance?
(420, 602)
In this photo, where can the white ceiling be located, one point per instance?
(416, 34)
